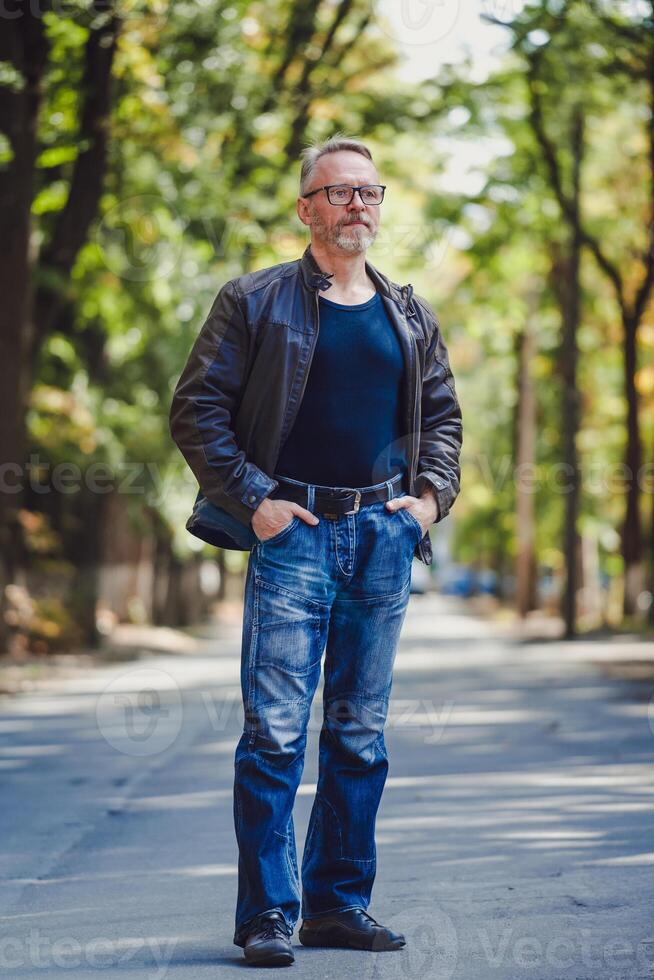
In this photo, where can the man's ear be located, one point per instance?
(303, 211)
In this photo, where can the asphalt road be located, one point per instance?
(515, 836)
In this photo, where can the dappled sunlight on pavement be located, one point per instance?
(514, 837)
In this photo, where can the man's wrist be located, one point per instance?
(429, 493)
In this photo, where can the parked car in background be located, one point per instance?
(421, 580)
(466, 581)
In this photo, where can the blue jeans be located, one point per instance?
(341, 586)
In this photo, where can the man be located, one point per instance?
(325, 433)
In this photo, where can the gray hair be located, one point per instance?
(312, 153)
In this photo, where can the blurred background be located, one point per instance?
(149, 152)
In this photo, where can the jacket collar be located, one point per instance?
(315, 278)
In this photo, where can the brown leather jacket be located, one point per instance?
(238, 396)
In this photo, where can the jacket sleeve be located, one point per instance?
(204, 404)
(441, 428)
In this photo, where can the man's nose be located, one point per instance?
(357, 202)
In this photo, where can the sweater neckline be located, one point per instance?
(347, 306)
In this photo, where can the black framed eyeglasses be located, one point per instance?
(344, 193)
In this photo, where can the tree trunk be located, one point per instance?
(76, 218)
(632, 310)
(568, 272)
(569, 428)
(23, 46)
(632, 546)
(26, 319)
(571, 313)
(85, 549)
(650, 616)
(525, 458)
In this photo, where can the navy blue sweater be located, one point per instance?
(348, 431)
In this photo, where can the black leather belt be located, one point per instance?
(335, 502)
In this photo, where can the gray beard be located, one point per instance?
(358, 242)
(343, 240)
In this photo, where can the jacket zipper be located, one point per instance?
(406, 295)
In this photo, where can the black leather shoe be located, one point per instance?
(268, 943)
(351, 929)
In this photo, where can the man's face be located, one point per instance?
(347, 227)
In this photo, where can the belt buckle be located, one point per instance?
(342, 494)
(357, 501)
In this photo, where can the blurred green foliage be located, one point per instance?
(211, 104)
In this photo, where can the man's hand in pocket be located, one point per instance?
(423, 508)
(272, 516)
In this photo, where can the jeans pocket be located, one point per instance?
(289, 637)
(281, 534)
(414, 522)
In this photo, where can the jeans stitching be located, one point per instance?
(311, 829)
(337, 823)
(291, 762)
(291, 833)
(267, 704)
(379, 741)
(335, 542)
(237, 801)
(313, 618)
(313, 621)
(377, 598)
(361, 696)
(289, 862)
(271, 586)
(287, 670)
(254, 634)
